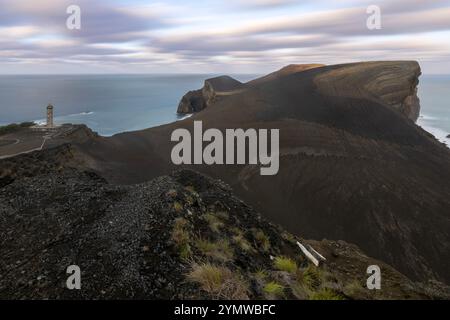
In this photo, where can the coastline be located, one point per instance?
(423, 122)
(438, 133)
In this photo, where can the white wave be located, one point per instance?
(85, 113)
(427, 117)
(439, 134)
(185, 117)
(40, 122)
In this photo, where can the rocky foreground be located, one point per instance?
(182, 236)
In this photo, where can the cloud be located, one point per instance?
(266, 4)
(215, 34)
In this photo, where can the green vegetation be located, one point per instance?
(261, 239)
(299, 291)
(218, 281)
(223, 215)
(215, 223)
(14, 127)
(178, 206)
(326, 294)
(288, 237)
(285, 264)
(181, 238)
(261, 274)
(242, 243)
(189, 200)
(274, 290)
(311, 277)
(355, 289)
(219, 250)
(172, 193)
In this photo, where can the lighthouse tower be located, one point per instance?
(50, 116)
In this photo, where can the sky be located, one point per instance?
(232, 36)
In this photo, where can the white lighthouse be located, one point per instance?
(49, 116)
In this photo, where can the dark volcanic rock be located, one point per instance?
(285, 71)
(195, 101)
(353, 167)
(143, 241)
(191, 102)
(394, 83)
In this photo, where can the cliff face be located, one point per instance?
(195, 101)
(392, 83)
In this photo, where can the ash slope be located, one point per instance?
(157, 240)
(353, 164)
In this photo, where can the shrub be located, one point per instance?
(14, 127)
(223, 215)
(326, 294)
(214, 222)
(355, 290)
(219, 250)
(274, 290)
(178, 206)
(242, 243)
(181, 237)
(285, 264)
(261, 274)
(311, 277)
(220, 282)
(261, 239)
(299, 291)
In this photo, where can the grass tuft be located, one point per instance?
(181, 237)
(274, 290)
(262, 239)
(219, 282)
(242, 243)
(178, 206)
(215, 223)
(326, 294)
(311, 277)
(285, 264)
(219, 250)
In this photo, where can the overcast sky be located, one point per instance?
(233, 36)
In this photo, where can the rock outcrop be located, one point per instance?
(195, 101)
(393, 83)
(191, 102)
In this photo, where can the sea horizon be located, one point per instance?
(150, 100)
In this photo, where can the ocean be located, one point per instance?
(434, 94)
(111, 104)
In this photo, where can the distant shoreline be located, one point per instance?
(438, 133)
